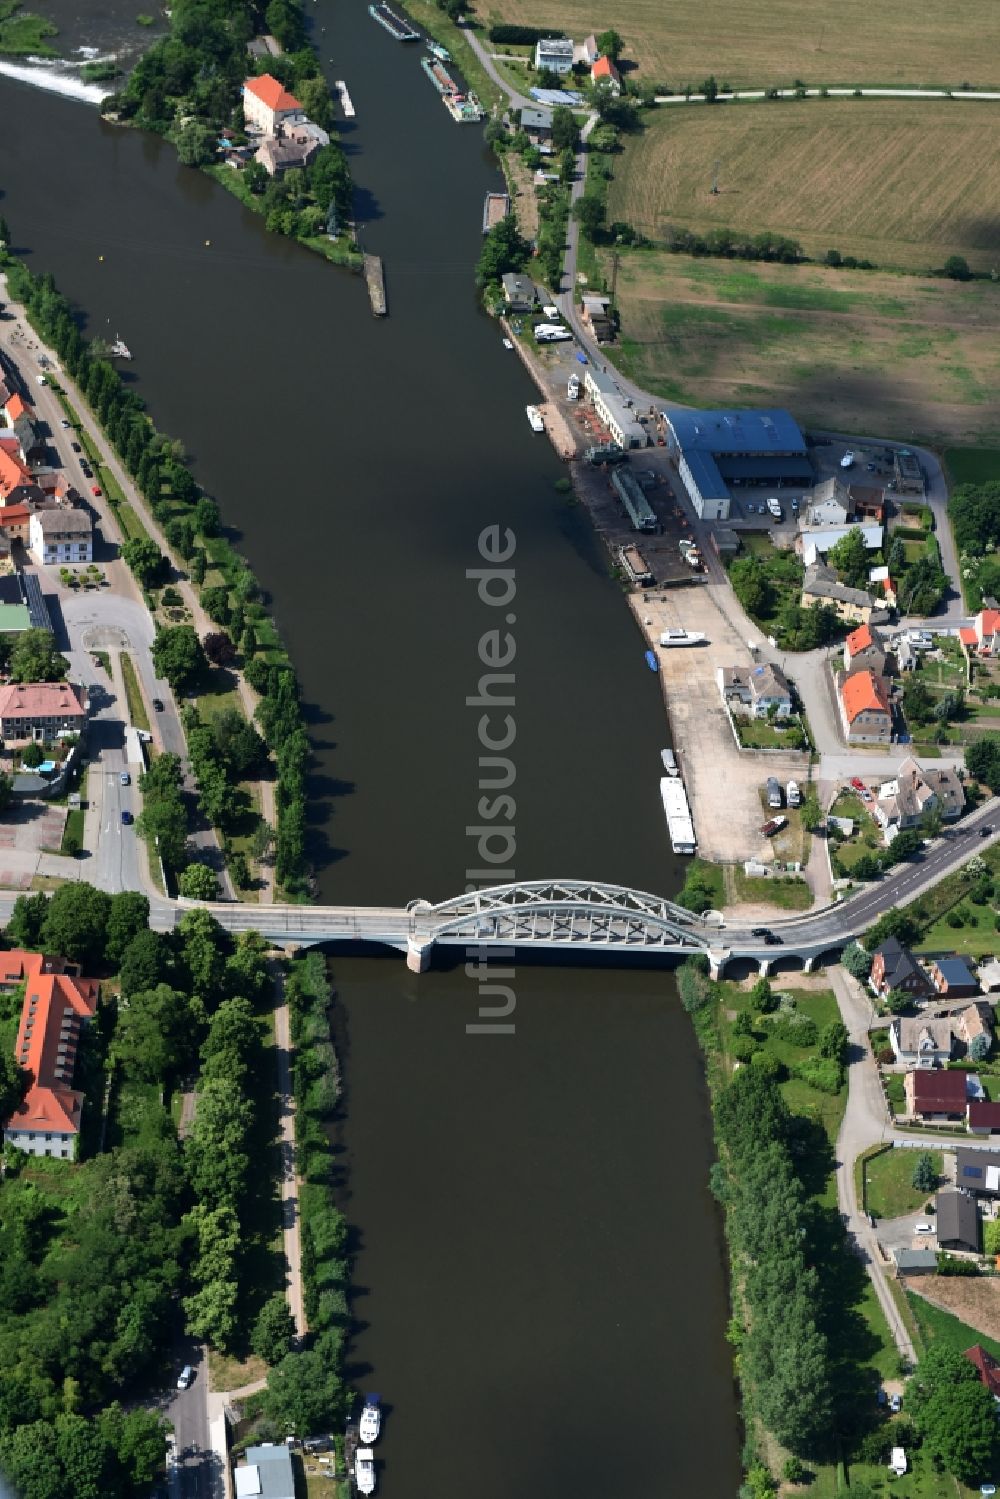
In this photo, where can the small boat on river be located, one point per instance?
(364, 1470)
(535, 418)
(371, 1421)
(651, 661)
(669, 761)
(507, 344)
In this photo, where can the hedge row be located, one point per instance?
(521, 36)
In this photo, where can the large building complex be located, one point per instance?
(718, 451)
(57, 1005)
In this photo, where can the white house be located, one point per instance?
(60, 535)
(921, 1043)
(268, 104)
(554, 53)
(757, 690)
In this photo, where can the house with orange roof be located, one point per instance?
(18, 965)
(14, 522)
(982, 637)
(605, 75)
(864, 650)
(268, 104)
(41, 710)
(864, 708)
(16, 407)
(56, 1008)
(13, 471)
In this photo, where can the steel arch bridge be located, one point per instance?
(561, 913)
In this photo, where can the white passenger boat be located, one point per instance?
(669, 761)
(364, 1470)
(681, 637)
(371, 1421)
(535, 418)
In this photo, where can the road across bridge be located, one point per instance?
(590, 916)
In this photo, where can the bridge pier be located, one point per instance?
(717, 961)
(764, 967)
(418, 955)
(808, 965)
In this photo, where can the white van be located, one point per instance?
(793, 795)
(774, 508)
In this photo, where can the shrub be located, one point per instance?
(822, 1073)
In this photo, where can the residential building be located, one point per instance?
(816, 545)
(604, 74)
(587, 52)
(864, 650)
(865, 712)
(921, 1043)
(895, 967)
(854, 605)
(56, 1008)
(758, 690)
(914, 1261)
(935, 1093)
(286, 150)
(866, 503)
(15, 522)
(914, 794)
(15, 407)
(596, 315)
(15, 616)
(18, 965)
(537, 125)
(268, 104)
(987, 1366)
(906, 656)
(957, 1221)
(554, 53)
(614, 408)
(519, 291)
(988, 974)
(982, 637)
(954, 977)
(975, 1020)
(829, 506)
(32, 444)
(14, 472)
(61, 535)
(978, 1171)
(720, 450)
(984, 1117)
(41, 710)
(266, 1474)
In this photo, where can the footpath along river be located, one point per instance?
(541, 1285)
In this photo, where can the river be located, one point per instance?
(542, 1285)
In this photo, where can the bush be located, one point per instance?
(521, 36)
(947, 1265)
(822, 1073)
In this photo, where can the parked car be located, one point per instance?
(126, 818)
(185, 1377)
(985, 832)
(63, 422)
(125, 779)
(75, 446)
(857, 783)
(923, 1228)
(773, 825)
(158, 704)
(895, 1403)
(847, 461)
(96, 489)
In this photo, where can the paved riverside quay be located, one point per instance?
(577, 916)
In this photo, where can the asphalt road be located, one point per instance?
(192, 1470)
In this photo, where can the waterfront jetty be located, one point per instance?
(495, 209)
(345, 99)
(465, 109)
(393, 23)
(375, 281)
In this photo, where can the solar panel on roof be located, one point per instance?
(975, 1171)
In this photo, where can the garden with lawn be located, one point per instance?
(888, 1179)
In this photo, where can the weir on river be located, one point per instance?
(538, 1276)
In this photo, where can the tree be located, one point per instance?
(274, 1330)
(27, 919)
(906, 844)
(219, 648)
(610, 44)
(32, 755)
(752, 586)
(850, 558)
(204, 949)
(314, 96)
(197, 882)
(238, 743)
(957, 268)
(565, 131)
(954, 1414)
(979, 1047)
(180, 535)
(895, 923)
(504, 249)
(76, 923)
(153, 1038)
(146, 560)
(35, 658)
(710, 89)
(763, 998)
(925, 1173)
(982, 761)
(898, 1001)
(178, 656)
(196, 144)
(857, 962)
(147, 961)
(810, 812)
(589, 213)
(304, 1392)
(128, 917)
(974, 511)
(834, 1042)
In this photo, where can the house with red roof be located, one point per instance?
(41, 710)
(18, 965)
(935, 1093)
(268, 104)
(606, 76)
(56, 1008)
(987, 1367)
(14, 472)
(984, 1117)
(864, 650)
(982, 637)
(15, 408)
(864, 708)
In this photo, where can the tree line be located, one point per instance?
(156, 464)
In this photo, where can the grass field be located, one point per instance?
(862, 351)
(900, 182)
(138, 717)
(972, 465)
(757, 42)
(889, 1183)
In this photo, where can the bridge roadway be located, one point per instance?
(565, 915)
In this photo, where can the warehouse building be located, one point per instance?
(718, 451)
(614, 408)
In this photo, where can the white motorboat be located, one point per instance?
(507, 344)
(682, 637)
(669, 761)
(371, 1421)
(364, 1470)
(535, 418)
